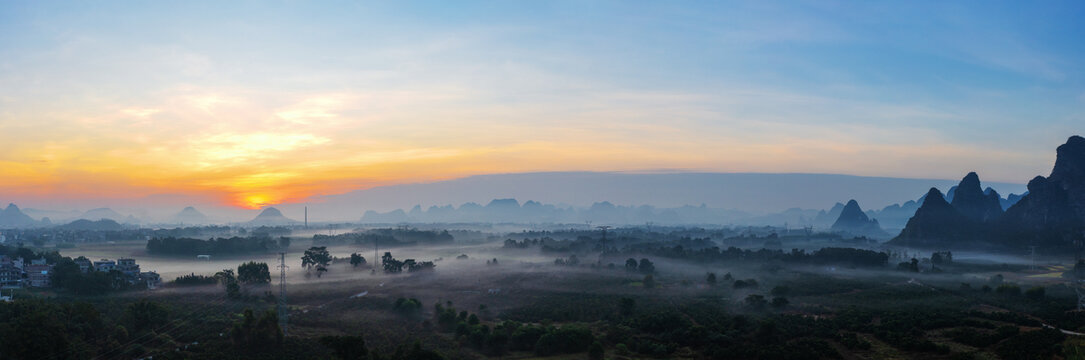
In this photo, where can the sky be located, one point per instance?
(249, 104)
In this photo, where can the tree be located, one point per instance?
(646, 266)
(356, 259)
(649, 281)
(779, 302)
(145, 315)
(566, 339)
(1035, 293)
(626, 306)
(253, 273)
(631, 264)
(413, 266)
(942, 257)
(227, 278)
(595, 352)
(711, 279)
(756, 301)
(316, 256)
(408, 306)
(346, 347)
(390, 264)
(257, 334)
(912, 266)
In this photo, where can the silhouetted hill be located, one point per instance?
(271, 217)
(12, 217)
(827, 218)
(1011, 199)
(1052, 214)
(896, 216)
(936, 223)
(754, 193)
(510, 211)
(98, 225)
(189, 215)
(102, 213)
(853, 220)
(970, 200)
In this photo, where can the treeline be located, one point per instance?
(391, 265)
(387, 237)
(189, 231)
(831, 255)
(218, 246)
(195, 280)
(28, 254)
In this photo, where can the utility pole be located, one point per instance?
(1033, 257)
(306, 217)
(374, 256)
(283, 312)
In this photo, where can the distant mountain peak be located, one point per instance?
(13, 217)
(270, 211)
(852, 219)
(102, 213)
(190, 215)
(271, 216)
(934, 197)
(972, 202)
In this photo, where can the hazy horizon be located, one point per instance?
(245, 105)
(737, 191)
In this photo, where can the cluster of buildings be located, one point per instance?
(16, 273)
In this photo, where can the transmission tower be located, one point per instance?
(283, 312)
(604, 228)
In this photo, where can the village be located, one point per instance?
(20, 272)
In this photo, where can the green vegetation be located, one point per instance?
(680, 298)
(172, 246)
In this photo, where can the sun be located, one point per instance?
(256, 201)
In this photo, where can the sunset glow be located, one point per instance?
(89, 108)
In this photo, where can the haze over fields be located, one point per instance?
(560, 179)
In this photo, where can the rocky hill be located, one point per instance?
(1051, 215)
(271, 217)
(12, 217)
(853, 220)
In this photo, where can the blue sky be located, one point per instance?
(263, 102)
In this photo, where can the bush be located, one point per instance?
(1035, 293)
(564, 340)
(408, 306)
(1008, 289)
(756, 301)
